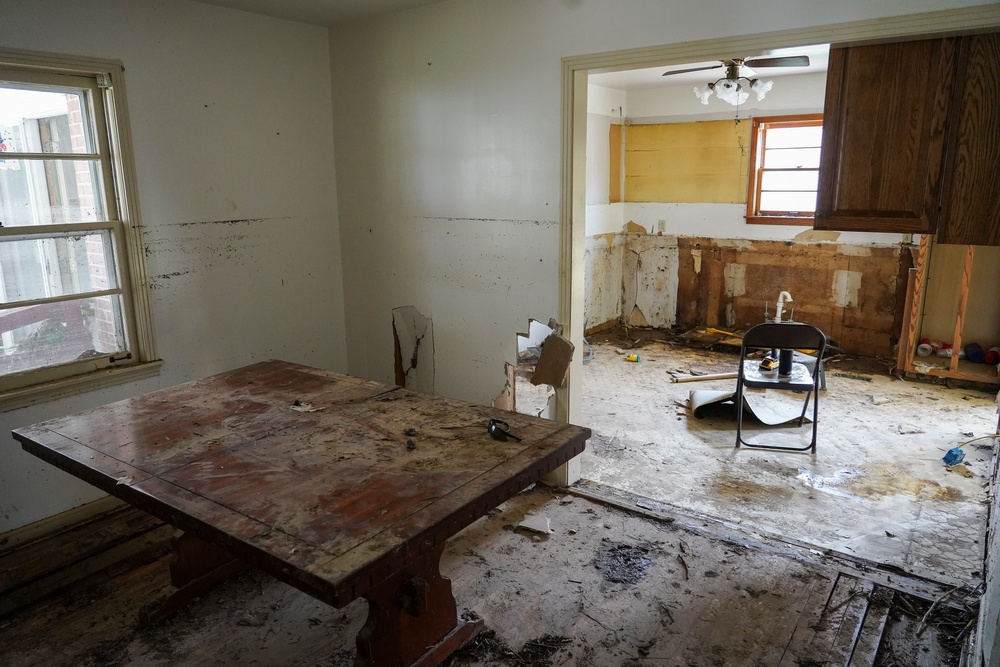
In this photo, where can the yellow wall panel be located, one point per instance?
(687, 162)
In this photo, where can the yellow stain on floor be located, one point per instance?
(889, 479)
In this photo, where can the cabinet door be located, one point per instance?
(970, 202)
(884, 128)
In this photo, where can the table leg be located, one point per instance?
(197, 567)
(412, 619)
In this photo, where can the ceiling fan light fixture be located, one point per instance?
(704, 92)
(761, 88)
(731, 91)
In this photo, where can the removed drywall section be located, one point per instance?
(649, 280)
(553, 362)
(602, 260)
(848, 292)
(413, 334)
(687, 162)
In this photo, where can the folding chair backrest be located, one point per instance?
(788, 335)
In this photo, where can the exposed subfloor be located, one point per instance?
(606, 587)
(876, 488)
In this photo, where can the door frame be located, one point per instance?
(575, 71)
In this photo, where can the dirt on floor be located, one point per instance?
(876, 488)
(607, 586)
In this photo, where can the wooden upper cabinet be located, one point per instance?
(970, 201)
(884, 131)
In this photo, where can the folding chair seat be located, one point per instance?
(785, 336)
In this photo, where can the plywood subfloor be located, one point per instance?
(876, 488)
(606, 587)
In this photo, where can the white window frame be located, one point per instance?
(113, 140)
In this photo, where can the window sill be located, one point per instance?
(19, 398)
(779, 220)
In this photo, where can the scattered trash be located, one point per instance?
(904, 429)
(633, 357)
(537, 524)
(622, 563)
(880, 400)
(124, 479)
(299, 406)
(953, 457)
(410, 432)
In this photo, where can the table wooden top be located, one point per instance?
(330, 500)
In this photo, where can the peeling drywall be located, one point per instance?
(413, 335)
(846, 285)
(649, 281)
(850, 293)
(602, 260)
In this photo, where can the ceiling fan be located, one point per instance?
(729, 87)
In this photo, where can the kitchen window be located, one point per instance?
(784, 169)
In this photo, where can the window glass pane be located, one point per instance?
(792, 137)
(50, 192)
(789, 180)
(55, 333)
(40, 268)
(791, 158)
(44, 120)
(790, 202)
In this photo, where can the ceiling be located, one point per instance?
(320, 12)
(652, 77)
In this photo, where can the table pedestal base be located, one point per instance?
(196, 568)
(412, 619)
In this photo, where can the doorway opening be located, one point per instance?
(877, 487)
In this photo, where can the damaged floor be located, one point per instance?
(876, 487)
(608, 586)
(671, 538)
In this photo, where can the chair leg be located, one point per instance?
(739, 410)
(805, 406)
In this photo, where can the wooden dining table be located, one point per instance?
(340, 486)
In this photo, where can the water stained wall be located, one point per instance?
(853, 292)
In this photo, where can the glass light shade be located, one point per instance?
(761, 88)
(704, 92)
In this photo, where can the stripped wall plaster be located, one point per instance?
(413, 334)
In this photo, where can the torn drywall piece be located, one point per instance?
(696, 256)
(529, 345)
(413, 334)
(506, 400)
(817, 235)
(537, 524)
(633, 228)
(553, 362)
(846, 286)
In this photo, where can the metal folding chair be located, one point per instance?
(784, 336)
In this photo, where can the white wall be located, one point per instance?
(448, 130)
(231, 121)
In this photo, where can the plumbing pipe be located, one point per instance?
(782, 298)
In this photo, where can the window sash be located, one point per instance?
(800, 160)
(106, 144)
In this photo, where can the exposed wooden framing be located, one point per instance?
(904, 356)
(963, 301)
(914, 307)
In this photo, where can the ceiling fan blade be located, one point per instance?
(693, 69)
(780, 61)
